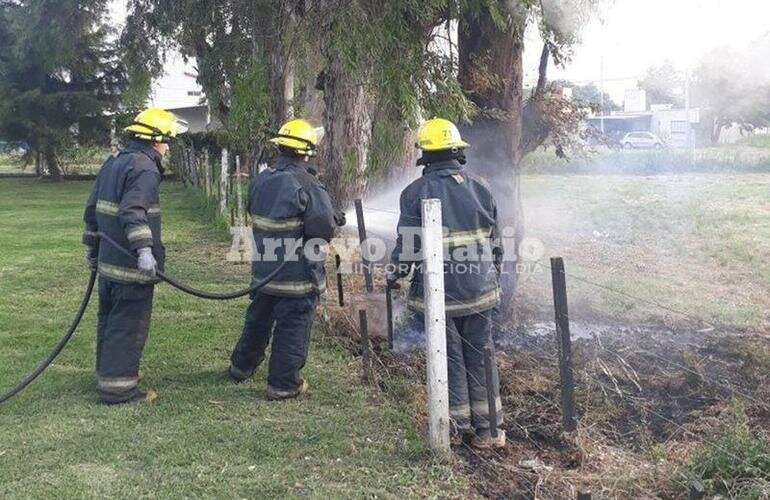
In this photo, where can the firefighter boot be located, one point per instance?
(274, 394)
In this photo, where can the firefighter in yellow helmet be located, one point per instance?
(125, 205)
(292, 219)
(471, 271)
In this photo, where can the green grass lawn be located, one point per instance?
(204, 436)
(699, 243)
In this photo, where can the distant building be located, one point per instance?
(179, 92)
(669, 124)
(635, 101)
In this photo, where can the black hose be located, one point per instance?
(59, 347)
(87, 296)
(194, 291)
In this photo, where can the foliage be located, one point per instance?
(735, 463)
(83, 159)
(733, 86)
(59, 73)
(561, 22)
(663, 85)
(395, 47)
(250, 108)
(224, 37)
(588, 95)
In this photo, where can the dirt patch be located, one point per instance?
(647, 399)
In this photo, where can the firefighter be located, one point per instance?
(471, 271)
(292, 219)
(125, 205)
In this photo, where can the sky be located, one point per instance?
(631, 35)
(625, 39)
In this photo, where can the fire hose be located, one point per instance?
(87, 296)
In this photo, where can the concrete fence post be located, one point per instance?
(435, 326)
(224, 173)
(238, 193)
(207, 172)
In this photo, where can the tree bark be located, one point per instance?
(491, 74)
(54, 169)
(347, 134)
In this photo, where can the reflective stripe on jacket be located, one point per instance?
(288, 208)
(125, 204)
(469, 217)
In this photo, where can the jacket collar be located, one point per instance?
(145, 147)
(449, 166)
(284, 162)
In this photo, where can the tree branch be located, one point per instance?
(542, 70)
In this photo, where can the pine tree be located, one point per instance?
(59, 73)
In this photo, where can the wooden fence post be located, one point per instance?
(194, 166)
(559, 283)
(365, 348)
(697, 491)
(224, 173)
(389, 312)
(183, 165)
(364, 251)
(340, 294)
(584, 494)
(491, 397)
(435, 325)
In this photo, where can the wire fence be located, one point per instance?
(220, 180)
(598, 375)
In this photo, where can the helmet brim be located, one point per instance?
(444, 147)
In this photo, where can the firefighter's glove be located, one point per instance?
(146, 262)
(339, 218)
(392, 281)
(92, 257)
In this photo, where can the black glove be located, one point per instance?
(339, 218)
(92, 257)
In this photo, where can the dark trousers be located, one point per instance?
(122, 328)
(467, 337)
(289, 321)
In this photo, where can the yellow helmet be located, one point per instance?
(156, 125)
(298, 135)
(438, 134)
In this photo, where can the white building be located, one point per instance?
(178, 91)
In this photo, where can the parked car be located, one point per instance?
(641, 140)
(14, 148)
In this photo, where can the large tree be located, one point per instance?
(664, 85)
(59, 73)
(510, 122)
(732, 86)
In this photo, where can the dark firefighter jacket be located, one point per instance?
(125, 204)
(472, 250)
(288, 208)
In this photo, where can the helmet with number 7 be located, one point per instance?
(438, 134)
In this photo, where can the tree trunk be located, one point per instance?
(279, 62)
(38, 164)
(347, 134)
(492, 75)
(52, 163)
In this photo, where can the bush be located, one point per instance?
(83, 159)
(650, 162)
(734, 462)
